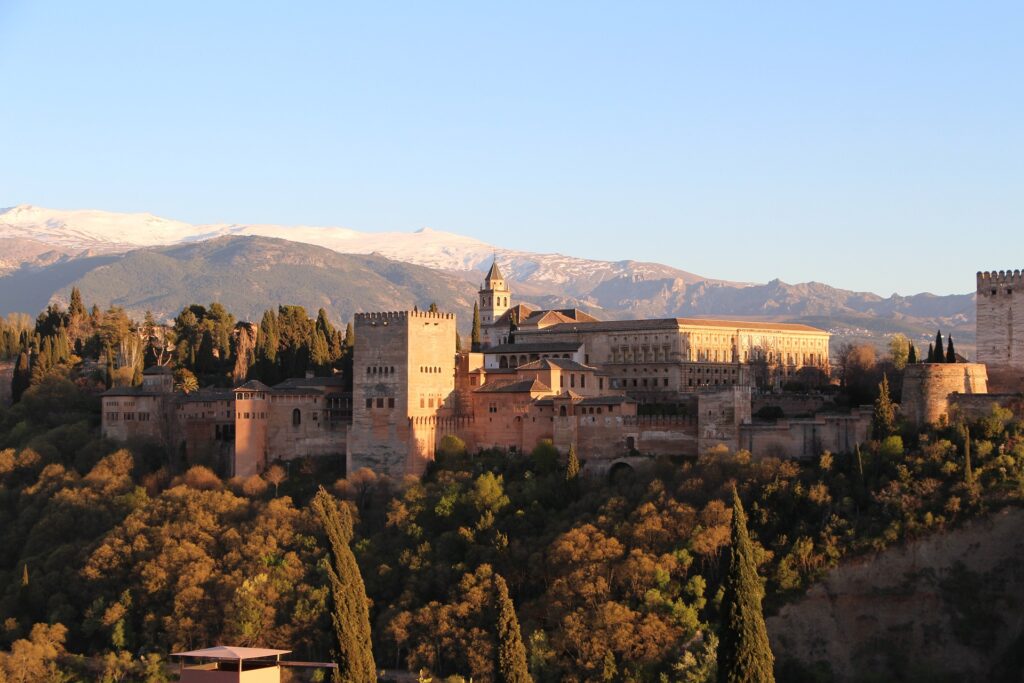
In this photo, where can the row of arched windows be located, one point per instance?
(381, 370)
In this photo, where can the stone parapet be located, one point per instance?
(927, 387)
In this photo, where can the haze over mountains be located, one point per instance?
(142, 261)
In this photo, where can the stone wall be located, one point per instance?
(719, 416)
(807, 438)
(973, 407)
(793, 405)
(927, 386)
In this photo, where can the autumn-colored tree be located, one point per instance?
(744, 653)
(275, 475)
(511, 653)
(350, 617)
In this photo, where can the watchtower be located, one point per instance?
(1000, 329)
(403, 377)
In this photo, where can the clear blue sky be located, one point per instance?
(873, 146)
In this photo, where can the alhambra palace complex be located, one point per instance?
(560, 375)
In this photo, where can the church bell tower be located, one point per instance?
(495, 296)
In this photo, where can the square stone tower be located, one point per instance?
(1000, 328)
(403, 380)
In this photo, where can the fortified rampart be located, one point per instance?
(807, 438)
(927, 388)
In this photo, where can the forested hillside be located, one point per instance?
(111, 556)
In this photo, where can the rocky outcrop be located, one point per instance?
(946, 607)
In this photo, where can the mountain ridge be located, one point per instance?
(58, 249)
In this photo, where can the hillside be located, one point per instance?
(945, 608)
(250, 274)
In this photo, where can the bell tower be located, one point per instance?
(495, 297)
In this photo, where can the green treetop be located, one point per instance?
(884, 420)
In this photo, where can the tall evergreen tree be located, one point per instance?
(350, 337)
(76, 309)
(350, 616)
(950, 351)
(968, 471)
(512, 666)
(22, 376)
(475, 339)
(931, 354)
(939, 356)
(572, 469)
(883, 423)
(911, 354)
(744, 653)
(433, 308)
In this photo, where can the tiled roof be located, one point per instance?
(132, 391)
(495, 273)
(520, 387)
(670, 324)
(253, 385)
(534, 347)
(204, 395)
(560, 363)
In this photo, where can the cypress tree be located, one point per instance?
(912, 354)
(458, 343)
(968, 471)
(350, 617)
(511, 653)
(24, 575)
(350, 337)
(931, 354)
(744, 653)
(433, 308)
(22, 377)
(572, 469)
(950, 351)
(938, 358)
(475, 339)
(109, 377)
(883, 423)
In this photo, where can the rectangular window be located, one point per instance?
(380, 402)
(391, 403)
(583, 381)
(369, 403)
(600, 382)
(430, 402)
(572, 380)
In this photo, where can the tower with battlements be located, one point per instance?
(1000, 328)
(403, 379)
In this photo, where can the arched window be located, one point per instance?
(562, 411)
(296, 417)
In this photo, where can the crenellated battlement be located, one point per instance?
(999, 278)
(386, 316)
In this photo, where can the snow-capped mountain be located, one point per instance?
(100, 232)
(141, 261)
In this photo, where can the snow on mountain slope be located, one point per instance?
(110, 232)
